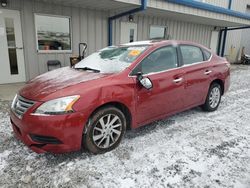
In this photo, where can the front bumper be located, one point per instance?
(55, 134)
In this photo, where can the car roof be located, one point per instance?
(162, 42)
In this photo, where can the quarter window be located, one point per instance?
(207, 55)
(160, 60)
(191, 54)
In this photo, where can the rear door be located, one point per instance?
(166, 96)
(198, 69)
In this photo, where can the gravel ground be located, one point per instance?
(190, 149)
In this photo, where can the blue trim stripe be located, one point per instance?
(211, 8)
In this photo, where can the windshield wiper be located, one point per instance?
(88, 69)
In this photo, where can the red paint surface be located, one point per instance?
(164, 99)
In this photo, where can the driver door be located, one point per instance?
(167, 94)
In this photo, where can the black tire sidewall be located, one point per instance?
(88, 135)
(207, 105)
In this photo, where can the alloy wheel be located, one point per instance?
(214, 97)
(107, 131)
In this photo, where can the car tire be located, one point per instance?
(213, 98)
(104, 130)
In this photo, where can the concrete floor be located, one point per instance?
(8, 91)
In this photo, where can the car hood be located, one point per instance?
(52, 81)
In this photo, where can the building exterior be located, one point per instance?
(245, 38)
(35, 31)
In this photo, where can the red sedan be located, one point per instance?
(117, 88)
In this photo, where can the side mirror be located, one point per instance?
(145, 82)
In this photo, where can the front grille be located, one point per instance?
(20, 105)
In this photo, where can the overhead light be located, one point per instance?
(3, 3)
(130, 18)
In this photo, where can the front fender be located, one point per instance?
(119, 93)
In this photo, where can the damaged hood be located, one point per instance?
(56, 80)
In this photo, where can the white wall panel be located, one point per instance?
(220, 3)
(245, 40)
(235, 39)
(177, 30)
(237, 5)
(91, 26)
(238, 38)
(87, 26)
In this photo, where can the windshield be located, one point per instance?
(111, 59)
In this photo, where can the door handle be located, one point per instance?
(177, 80)
(19, 48)
(207, 72)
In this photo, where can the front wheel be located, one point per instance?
(105, 130)
(213, 98)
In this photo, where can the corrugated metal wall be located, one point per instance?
(245, 39)
(233, 43)
(91, 26)
(238, 38)
(175, 7)
(235, 38)
(87, 26)
(237, 5)
(220, 3)
(177, 30)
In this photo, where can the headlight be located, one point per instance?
(58, 106)
(14, 102)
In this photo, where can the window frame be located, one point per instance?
(202, 52)
(53, 51)
(133, 72)
(204, 55)
(162, 26)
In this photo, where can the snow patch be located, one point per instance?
(3, 162)
(146, 42)
(194, 149)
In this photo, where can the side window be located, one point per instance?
(207, 55)
(160, 60)
(191, 54)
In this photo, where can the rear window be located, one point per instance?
(191, 54)
(207, 55)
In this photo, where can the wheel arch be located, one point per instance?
(119, 106)
(221, 83)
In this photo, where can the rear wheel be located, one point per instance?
(104, 130)
(213, 98)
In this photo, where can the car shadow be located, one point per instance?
(130, 134)
(159, 124)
